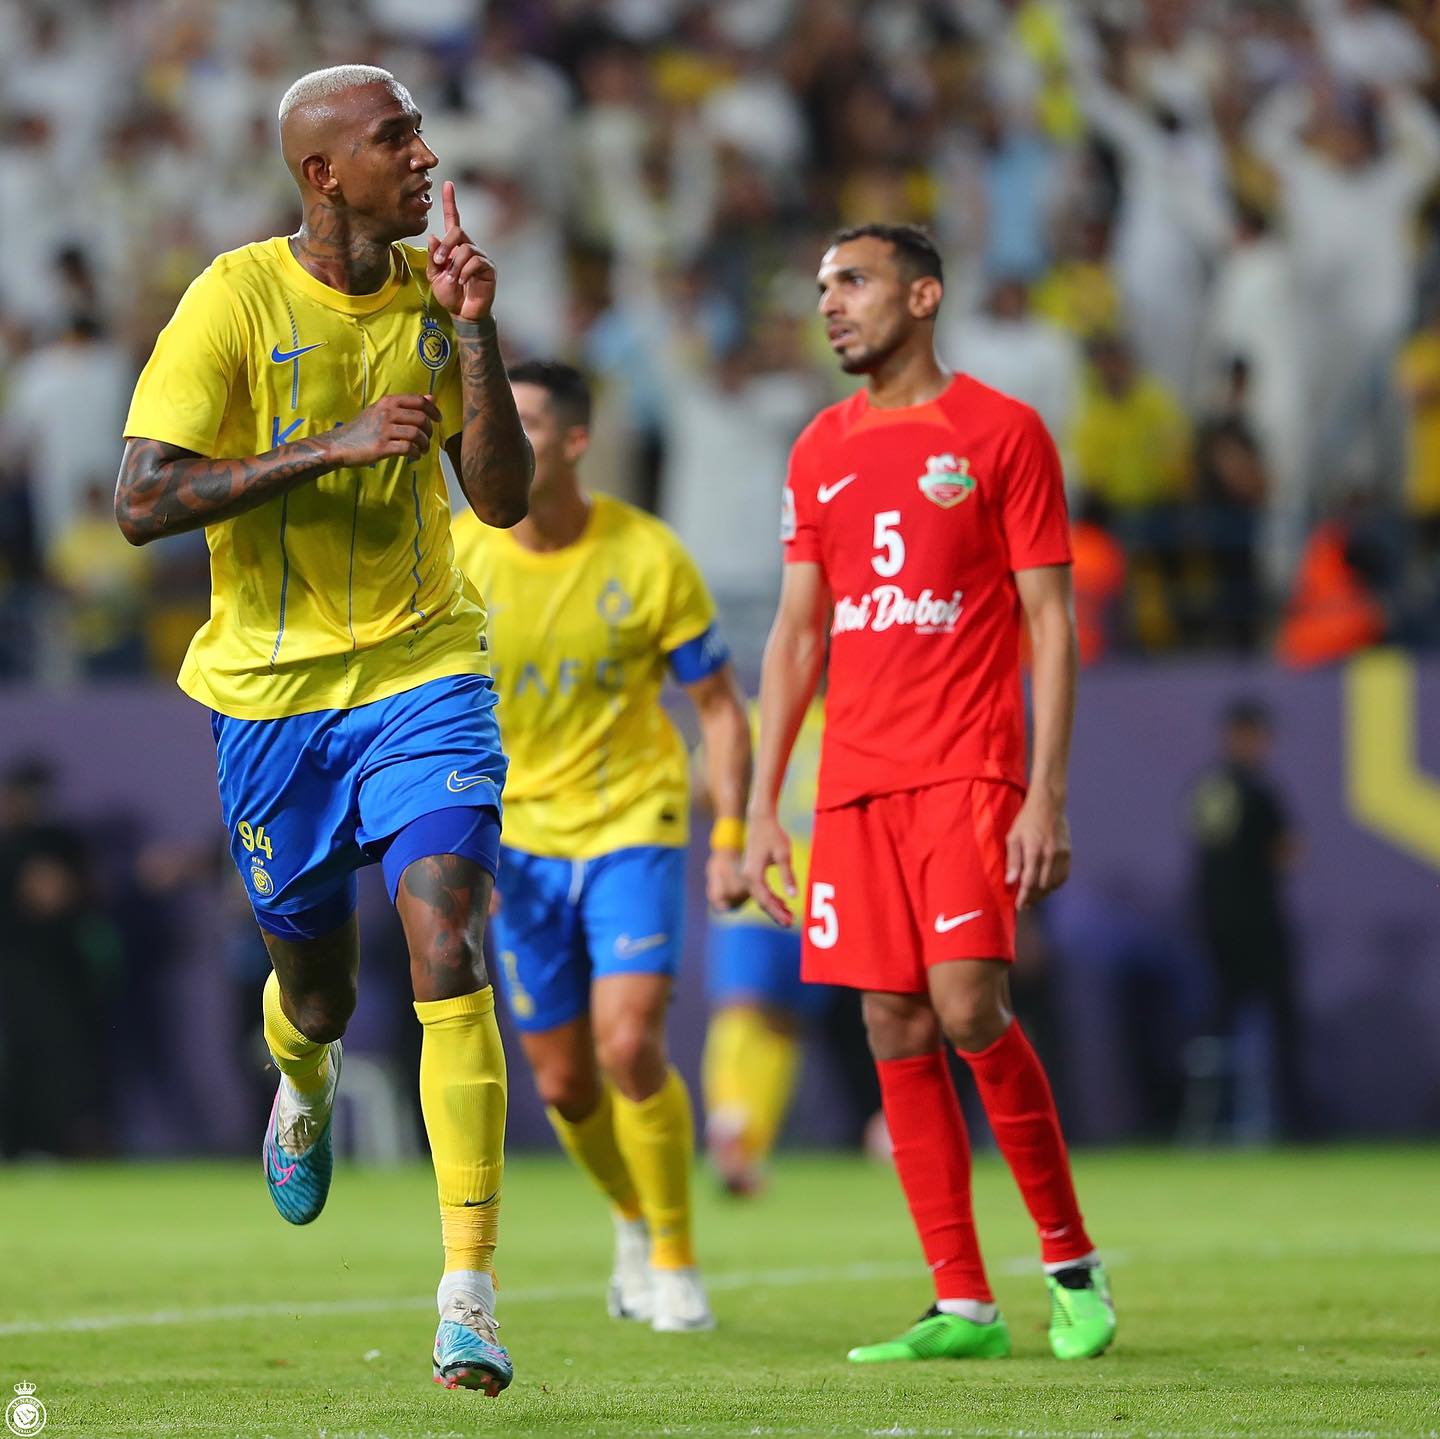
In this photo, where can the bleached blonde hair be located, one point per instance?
(325, 84)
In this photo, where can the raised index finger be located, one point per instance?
(447, 205)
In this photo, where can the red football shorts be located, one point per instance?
(908, 880)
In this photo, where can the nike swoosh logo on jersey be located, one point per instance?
(826, 493)
(456, 785)
(282, 357)
(943, 924)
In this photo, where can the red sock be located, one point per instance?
(1022, 1114)
(932, 1157)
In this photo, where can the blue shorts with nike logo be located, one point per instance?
(310, 799)
(564, 923)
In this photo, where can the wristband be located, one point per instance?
(728, 834)
(475, 329)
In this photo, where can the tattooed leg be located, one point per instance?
(443, 901)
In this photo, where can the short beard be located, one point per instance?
(869, 360)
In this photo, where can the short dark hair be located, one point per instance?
(915, 251)
(568, 389)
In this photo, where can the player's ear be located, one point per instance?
(319, 175)
(925, 296)
(576, 442)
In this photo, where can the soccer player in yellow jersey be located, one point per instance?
(593, 602)
(294, 408)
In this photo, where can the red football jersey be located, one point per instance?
(918, 518)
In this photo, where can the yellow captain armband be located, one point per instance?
(728, 834)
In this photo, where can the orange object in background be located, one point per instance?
(1332, 613)
(1098, 569)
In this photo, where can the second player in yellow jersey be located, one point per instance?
(593, 602)
(582, 639)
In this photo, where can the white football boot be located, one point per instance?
(629, 1296)
(681, 1305)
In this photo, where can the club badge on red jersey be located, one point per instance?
(946, 481)
(787, 515)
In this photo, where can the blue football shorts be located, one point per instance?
(310, 799)
(564, 923)
(758, 962)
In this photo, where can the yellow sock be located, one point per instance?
(462, 1095)
(749, 1073)
(303, 1061)
(657, 1139)
(590, 1142)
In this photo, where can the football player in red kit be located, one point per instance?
(924, 521)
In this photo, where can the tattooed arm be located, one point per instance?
(166, 490)
(491, 455)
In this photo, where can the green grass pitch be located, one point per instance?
(1280, 1294)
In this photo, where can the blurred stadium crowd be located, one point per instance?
(1198, 235)
(1202, 237)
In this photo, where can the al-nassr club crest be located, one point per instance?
(433, 346)
(946, 481)
(25, 1414)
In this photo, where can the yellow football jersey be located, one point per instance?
(796, 812)
(344, 589)
(579, 639)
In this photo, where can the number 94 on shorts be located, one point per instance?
(902, 881)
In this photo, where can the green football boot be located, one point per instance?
(939, 1336)
(1082, 1316)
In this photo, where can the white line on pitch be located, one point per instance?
(767, 1279)
(222, 1313)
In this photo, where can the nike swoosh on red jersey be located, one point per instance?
(826, 493)
(944, 923)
